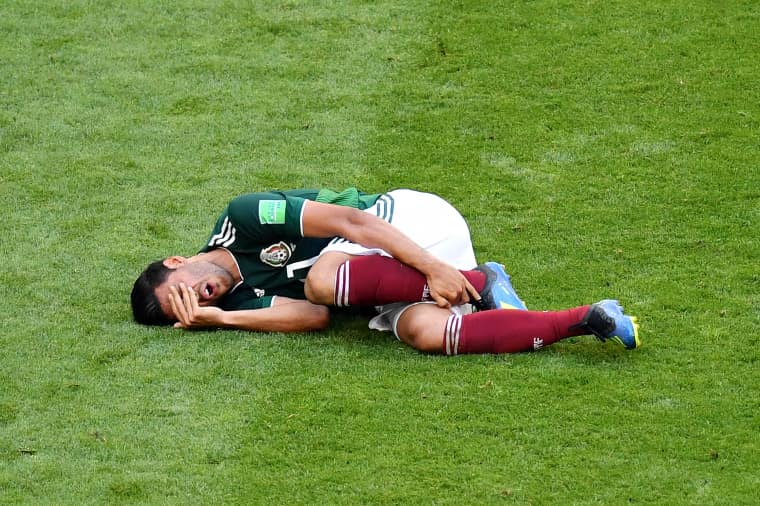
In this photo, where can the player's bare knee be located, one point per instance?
(419, 331)
(320, 282)
(423, 340)
(317, 290)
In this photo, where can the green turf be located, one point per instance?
(597, 148)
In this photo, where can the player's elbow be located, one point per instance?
(351, 224)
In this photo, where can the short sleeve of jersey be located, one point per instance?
(258, 218)
(238, 301)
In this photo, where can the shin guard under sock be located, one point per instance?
(374, 280)
(510, 331)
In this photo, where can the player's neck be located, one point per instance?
(225, 260)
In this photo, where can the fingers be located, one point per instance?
(178, 308)
(190, 298)
(184, 303)
(471, 291)
(439, 300)
(455, 294)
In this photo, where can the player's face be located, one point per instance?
(209, 281)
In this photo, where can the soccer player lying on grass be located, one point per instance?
(276, 259)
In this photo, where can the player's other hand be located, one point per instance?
(189, 313)
(448, 287)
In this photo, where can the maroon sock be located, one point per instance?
(509, 331)
(374, 280)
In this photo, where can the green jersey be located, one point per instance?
(264, 233)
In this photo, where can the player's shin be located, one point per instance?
(374, 280)
(509, 331)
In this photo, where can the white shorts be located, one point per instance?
(428, 220)
(433, 224)
(389, 314)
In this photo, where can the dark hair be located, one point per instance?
(145, 306)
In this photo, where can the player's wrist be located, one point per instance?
(426, 263)
(433, 267)
(220, 318)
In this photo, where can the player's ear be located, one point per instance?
(174, 262)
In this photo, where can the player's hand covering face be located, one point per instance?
(186, 308)
(207, 281)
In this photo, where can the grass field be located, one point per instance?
(599, 149)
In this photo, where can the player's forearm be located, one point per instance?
(326, 220)
(372, 232)
(294, 318)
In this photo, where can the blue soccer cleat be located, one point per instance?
(606, 320)
(498, 292)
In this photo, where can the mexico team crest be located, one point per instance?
(276, 255)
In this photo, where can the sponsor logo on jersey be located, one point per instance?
(538, 343)
(277, 255)
(272, 212)
(259, 292)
